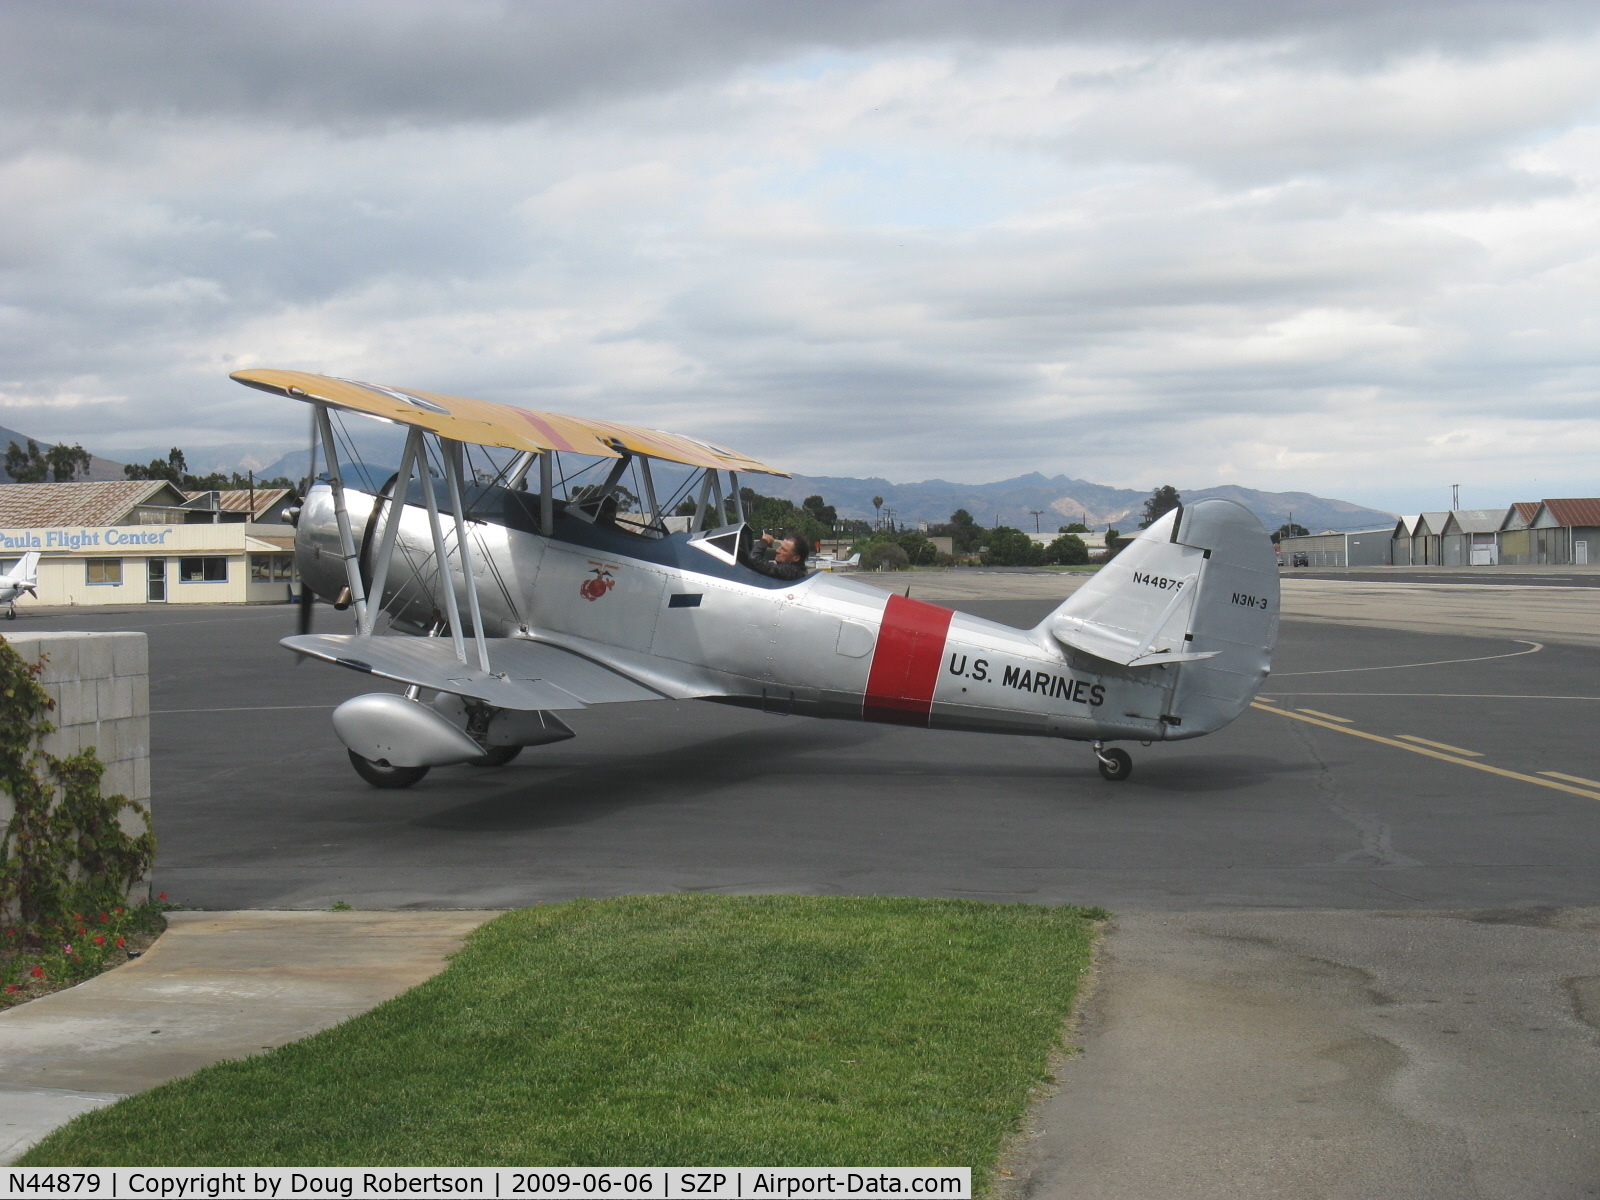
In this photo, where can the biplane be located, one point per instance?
(502, 596)
(23, 580)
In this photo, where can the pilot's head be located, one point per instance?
(794, 548)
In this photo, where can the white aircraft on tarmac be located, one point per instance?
(24, 579)
(534, 596)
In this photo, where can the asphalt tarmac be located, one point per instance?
(257, 807)
(1357, 943)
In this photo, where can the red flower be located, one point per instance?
(163, 896)
(119, 942)
(38, 972)
(11, 987)
(100, 940)
(120, 911)
(104, 917)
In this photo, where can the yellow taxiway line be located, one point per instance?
(1572, 778)
(1422, 741)
(1591, 792)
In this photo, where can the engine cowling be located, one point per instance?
(316, 538)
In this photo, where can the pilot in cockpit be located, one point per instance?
(786, 560)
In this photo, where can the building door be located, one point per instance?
(155, 576)
(1580, 553)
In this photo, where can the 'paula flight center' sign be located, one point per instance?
(117, 536)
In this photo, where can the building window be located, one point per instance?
(103, 571)
(271, 568)
(203, 570)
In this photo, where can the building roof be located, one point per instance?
(1430, 522)
(1569, 512)
(1520, 515)
(238, 500)
(1406, 526)
(107, 503)
(1475, 520)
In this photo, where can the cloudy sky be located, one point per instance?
(1342, 247)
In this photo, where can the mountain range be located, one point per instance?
(1057, 501)
(1026, 502)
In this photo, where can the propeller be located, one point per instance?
(308, 601)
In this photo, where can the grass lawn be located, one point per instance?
(686, 1030)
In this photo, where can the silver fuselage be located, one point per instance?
(665, 611)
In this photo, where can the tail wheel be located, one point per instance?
(1115, 765)
(382, 775)
(496, 756)
(11, 614)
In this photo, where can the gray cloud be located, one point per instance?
(474, 60)
(1341, 247)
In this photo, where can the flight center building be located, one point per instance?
(168, 547)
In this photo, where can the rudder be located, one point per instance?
(1197, 590)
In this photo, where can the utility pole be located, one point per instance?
(1455, 496)
(1037, 513)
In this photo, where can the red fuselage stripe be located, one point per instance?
(905, 663)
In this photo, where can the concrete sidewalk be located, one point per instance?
(1341, 1055)
(214, 986)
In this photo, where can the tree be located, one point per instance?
(174, 470)
(1290, 529)
(67, 461)
(1114, 544)
(1162, 501)
(964, 532)
(1075, 527)
(1012, 548)
(26, 466)
(887, 555)
(1068, 550)
(824, 514)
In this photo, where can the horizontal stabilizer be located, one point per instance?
(1113, 646)
(523, 675)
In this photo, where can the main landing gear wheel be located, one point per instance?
(496, 756)
(1115, 765)
(382, 775)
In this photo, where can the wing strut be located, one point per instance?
(452, 612)
(547, 491)
(409, 458)
(653, 508)
(347, 544)
(452, 474)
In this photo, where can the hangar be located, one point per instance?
(148, 542)
(1333, 548)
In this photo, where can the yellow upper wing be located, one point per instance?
(488, 424)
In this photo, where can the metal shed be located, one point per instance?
(1426, 550)
(1566, 531)
(1516, 543)
(1470, 537)
(1400, 540)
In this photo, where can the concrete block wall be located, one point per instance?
(101, 685)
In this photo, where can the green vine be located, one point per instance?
(64, 851)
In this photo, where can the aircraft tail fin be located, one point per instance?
(28, 568)
(1197, 590)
